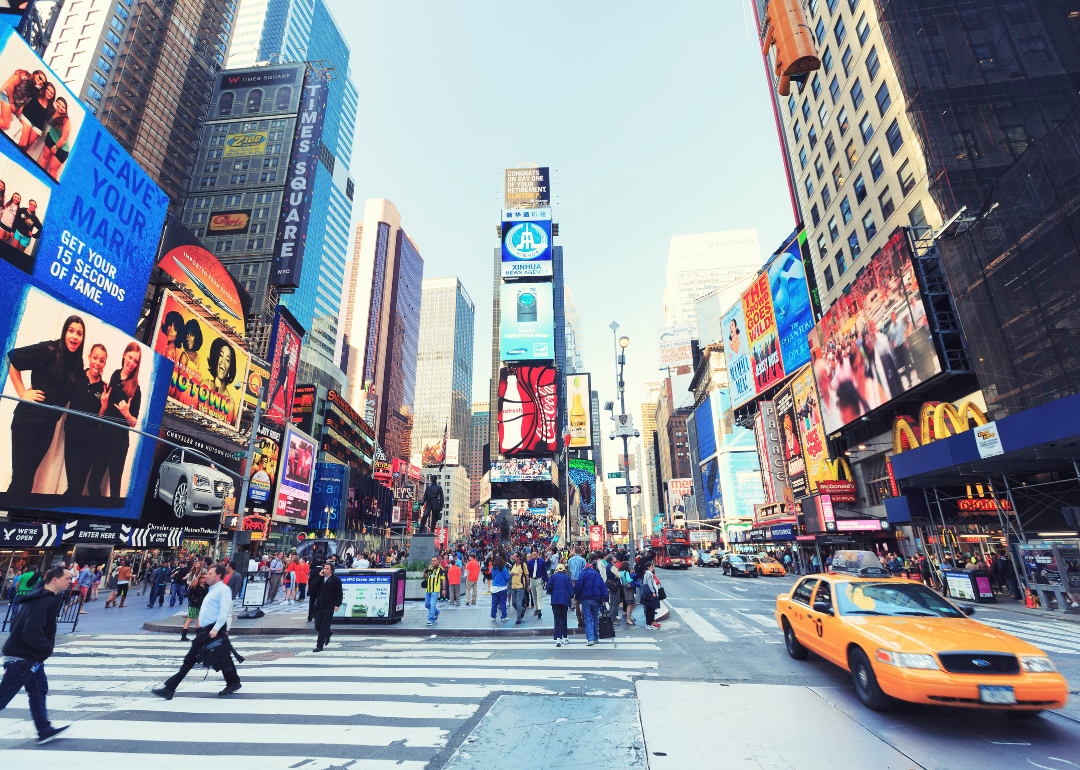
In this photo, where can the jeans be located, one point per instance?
(590, 608)
(498, 602)
(156, 592)
(177, 592)
(303, 590)
(470, 591)
(536, 588)
(517, 598)
(560, 620)
(22, 674)
(228, 670)
(430, 599)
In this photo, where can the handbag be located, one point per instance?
(662, 594)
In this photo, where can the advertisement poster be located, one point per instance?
(737, 353)
(811, 430)
(284, 360)
(705, 429)
(453, 451)
(676, 345)
(583, 476)
(527, 188)
(791, 443)
(677, 493)
(245, 145)
(791, 304)
(767, 366)
(264, 468)
(49, 460)
(201, 275)
(198, 507)
(97, 253)
(364, 596)
(596, 536)
(302, 414)
(433, 452)
(233, 222)
(258, 378)
(874, 344)
(527, 410)
(579, 410)
(527, 322)
(522, 469)
(526, 243)
(210, 371)
(710, 483)
(329, 496)
(295, 478)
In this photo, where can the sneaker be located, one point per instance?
(50, 735)
(565, 640)
(229, 689)
(589, 644)
(558, 642)
(164, 692)
(517, 622)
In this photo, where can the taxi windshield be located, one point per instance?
(902, 599)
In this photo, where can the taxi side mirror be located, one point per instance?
(823, 607)
(967, 609)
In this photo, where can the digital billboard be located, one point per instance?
(704, 424)
(60, 356)
(284, 359)
(233, 222)
(579, 410)
(710, 483)
(263, 471)
(295, 478)
(521, 469)
(329, 496)
(527, 188)
(527, 321)
(740, 480)
(92, 239)
(527, 410)
(874, 343)
(767, 366)
(791, 305)
(210, 371)
(737, 353)
(302, 414)
(582, 475)
(526, 243)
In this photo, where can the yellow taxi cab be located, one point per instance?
(899, 639)
(767, 565)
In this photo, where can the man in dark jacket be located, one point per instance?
(330, 597)
(158, 580)
(31, 643)
(314, 585)
(591, 593)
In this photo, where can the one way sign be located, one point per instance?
(634, 490)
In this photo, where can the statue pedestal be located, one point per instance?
(422, 547)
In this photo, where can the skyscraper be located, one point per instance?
(699, 264)
(575, 341)
(147, 71)
(444, 364)
(478, 437)
(648, 435)
(273, 31)
(380, 312)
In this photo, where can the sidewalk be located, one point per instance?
(1008, 604)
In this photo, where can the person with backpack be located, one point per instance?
(630, 586)
(562, 592)
(650, 596)
(613, 581)
(500, 577)
(591, 594)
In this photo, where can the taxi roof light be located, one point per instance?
(859, 563)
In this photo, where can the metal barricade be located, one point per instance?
(69, 610)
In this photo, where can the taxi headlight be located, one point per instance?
(1037, 664)
(907, 659)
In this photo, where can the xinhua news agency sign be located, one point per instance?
(300, 181)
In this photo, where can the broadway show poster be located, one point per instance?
(791, 304)
(527, 410)
(258, 379)
(737, 352)
(296, 478)
(59, 356)
(811, 430)
(768, 367)
(210, 370)
(264, 468)
(791, 443)
(284, 360)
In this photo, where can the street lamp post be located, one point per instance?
(620, 361)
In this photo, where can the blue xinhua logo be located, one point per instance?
(526, 241)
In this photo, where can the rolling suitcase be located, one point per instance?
(607, 627)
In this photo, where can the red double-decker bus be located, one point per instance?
(671, 548)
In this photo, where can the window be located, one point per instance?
(806, 110)
(112, 37)
(116, 24)
(857, 94)
(828, 278)
(1017, 139)
(796, 130)
(823, 112)
(811, 136)
(842, 121)
(866, 128)
(98, 78)
(818, 168)
(893, 137)
(860, 189)
(884, 100)
(841, 263)
(885, 201)
(823, 249)
(852, 154)
(853, 244)
(122, 11)
(941, 59)
(964, 145)
(1034, 49)
(869, 227)
(834, 90)
(846, 61)
(1018, 12)
(872, 64)
(838, 177)
(108, 50)
(790, 105)
(813, 8)
(852, 5)
(834, 231)
(826, 61)
(815, 87)
(826, 194)
(830, 146)
(225, 103)
(802, 157)
(840, 31)
(814, 215)
(211, 167)
(264, 198)
(819, 30)
(254, 100)
(281, 101)
(985, 55)
(268, 176)
(876, 168)
(845, 210)
(93, 93)
(906, 178)
(103, 65)
(831, 4)
(240, 165)
(919, 225)
(809, 187)
(862, 29)
(270, 163)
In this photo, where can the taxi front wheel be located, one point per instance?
(866, 684)
(794, 646)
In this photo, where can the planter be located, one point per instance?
(414, 586)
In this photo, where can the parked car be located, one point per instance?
(191, 485)
(735, 564)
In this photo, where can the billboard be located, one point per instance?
(737, 353)
(791, 448)
(302, 414)
(263, 471)
(770, 454)
(767, 367)
(582, 475)
(527, 188)
(527, 410)
(705, 425)
(740, 480)
(526, 243)
(233, 222)
(676, 348)
(244, 145)
(710, 483)
(284, 360)
(300, 181)
(521, 469)
(295, 478)
(210, 371)
(329, 496)
(526, 321)
(258, 377)
(814, 442)
(97, 256)
(791, 305)
(874, 344)
(678, 490)
(579, 410)
(201, 275)
(453, 451)
(60, 356)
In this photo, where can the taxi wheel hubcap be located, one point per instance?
(864, 680)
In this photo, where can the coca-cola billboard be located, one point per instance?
(528, 400)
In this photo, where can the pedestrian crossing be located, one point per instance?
(715, 625)
(361, 704)
(1050, 636)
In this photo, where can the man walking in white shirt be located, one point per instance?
(214, 617)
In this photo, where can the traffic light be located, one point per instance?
(786, 28)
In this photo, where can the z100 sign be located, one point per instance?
(528, 400)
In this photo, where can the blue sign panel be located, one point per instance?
(791, 305)
(706, 435)
(526, 249)
(783, 532)
(328, 496)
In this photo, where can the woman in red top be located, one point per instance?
(290, 579)
(302, 577)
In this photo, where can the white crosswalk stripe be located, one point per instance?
(737, 628)
(1060, 637)
(362, 704)
(699, 625)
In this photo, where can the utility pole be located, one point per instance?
(624, 427)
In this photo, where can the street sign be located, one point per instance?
(616, 475)
(634, 490)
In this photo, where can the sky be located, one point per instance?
(654, 118)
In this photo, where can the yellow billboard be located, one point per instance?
(247, 143)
